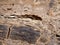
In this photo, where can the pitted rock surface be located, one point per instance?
(29, 22)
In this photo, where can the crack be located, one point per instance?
(8, 33)
(33, 17)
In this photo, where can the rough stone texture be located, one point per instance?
(41, 16)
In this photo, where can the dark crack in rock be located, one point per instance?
(34, 17)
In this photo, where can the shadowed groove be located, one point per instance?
(33, 17)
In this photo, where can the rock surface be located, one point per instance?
(29, 22)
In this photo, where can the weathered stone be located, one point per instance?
(3, 31)
(40, 15)
(24, 33)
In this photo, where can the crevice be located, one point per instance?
(33, 17)
(8, 33)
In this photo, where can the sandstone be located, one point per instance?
(29, 22)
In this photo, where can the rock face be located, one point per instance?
(29, 22)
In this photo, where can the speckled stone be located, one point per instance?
(41, 16)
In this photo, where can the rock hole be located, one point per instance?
(1, 15)
(13, 4)
(9, 8)
(14, 11)
(57, 35)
